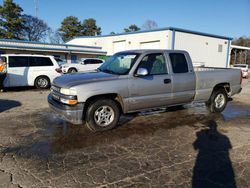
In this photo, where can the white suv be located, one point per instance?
(85, 64)
(30, 70)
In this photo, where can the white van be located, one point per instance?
(30, 70)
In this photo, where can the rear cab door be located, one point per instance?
(183, 76)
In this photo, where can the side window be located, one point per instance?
(97, 61)
(92, 61)
(87, 61)
(179, 62)
(18, 61)
(40, 61)
(154, 63)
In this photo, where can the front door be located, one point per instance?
(154, 89)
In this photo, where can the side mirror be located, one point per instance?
(142, 72)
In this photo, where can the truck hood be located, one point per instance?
(71, 80)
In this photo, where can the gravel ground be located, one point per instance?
(185, 147)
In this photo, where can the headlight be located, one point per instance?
(66, 91)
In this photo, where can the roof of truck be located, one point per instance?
(150, 50)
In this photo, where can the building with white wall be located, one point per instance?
(205, 49)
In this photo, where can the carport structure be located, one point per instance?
(71, 53)
(240, 49)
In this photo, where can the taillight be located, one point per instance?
(59, 70)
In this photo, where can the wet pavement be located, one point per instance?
(175, 147)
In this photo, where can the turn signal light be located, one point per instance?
(69, 101)
(72, 102)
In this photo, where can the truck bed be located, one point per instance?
(208, 77)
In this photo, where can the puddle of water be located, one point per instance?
(236, 111)
(57, 136)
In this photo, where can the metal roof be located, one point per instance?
(162, 29)
(38, 46)
(240, 47)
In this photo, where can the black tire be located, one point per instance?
(72, 70)
(42, 82)
(218, 101)
(99, 119)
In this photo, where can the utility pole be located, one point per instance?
(36, 7)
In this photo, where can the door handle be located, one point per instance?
(167, 81)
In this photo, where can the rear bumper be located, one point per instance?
(72, 114)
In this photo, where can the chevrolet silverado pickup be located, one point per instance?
(139, 80)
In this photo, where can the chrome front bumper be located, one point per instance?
(72, 114)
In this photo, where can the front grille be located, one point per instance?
(55, 89)
(55, 92)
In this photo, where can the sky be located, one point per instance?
(222, 17)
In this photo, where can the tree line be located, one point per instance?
(14, 24)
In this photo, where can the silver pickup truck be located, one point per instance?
(139, 80)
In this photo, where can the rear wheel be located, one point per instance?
(72, 70)
(102, 115)
(42, 82)
(218, 100)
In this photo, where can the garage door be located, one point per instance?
(150, 45)
(119, 46)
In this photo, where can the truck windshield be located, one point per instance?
(120, 63)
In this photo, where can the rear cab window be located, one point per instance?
(179, 63)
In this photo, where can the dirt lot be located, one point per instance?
(187, 147)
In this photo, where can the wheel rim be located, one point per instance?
(42, 82)
(104, 116)
(72, 70)
(219, 100)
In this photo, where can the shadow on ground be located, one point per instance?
(8, 104)
(213, 167)
(20, 89)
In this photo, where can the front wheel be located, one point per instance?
(218, 101)
(102, 115)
